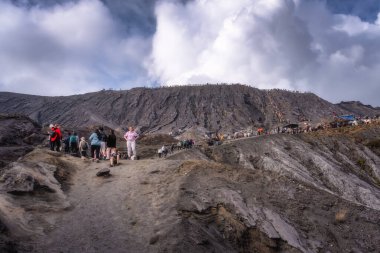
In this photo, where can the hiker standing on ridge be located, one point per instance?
(131, 137)
(83, 147)
(111, 145)
(66, 141)
(103, 146)
(59, 137)
(74, 141)
(95, 145)
(53, 137)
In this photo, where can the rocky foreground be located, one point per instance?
(316, 192)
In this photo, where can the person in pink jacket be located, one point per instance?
(131, 137)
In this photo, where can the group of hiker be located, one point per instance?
(102, 145)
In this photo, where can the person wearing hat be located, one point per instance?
(83, 147)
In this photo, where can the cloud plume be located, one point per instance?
(288, 44)
(60, 47)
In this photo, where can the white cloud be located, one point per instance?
(66, 49)
(81, 46)
(277, 43)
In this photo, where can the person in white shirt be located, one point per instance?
(131, 137)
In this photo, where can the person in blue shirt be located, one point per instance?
(95, 145)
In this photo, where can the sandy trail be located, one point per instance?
(130, 208)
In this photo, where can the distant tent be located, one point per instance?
(347, 117)
(291, 126)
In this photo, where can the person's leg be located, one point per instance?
(52, 145)
(109, 153)
(103, 150)
(92, 152)
(58, 145)
(133, 144)
(129, 148)
(97, 152)
(113, 154)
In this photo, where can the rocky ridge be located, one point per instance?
(213, 107)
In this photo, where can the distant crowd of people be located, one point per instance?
(305, 127)
(102, 146)
(166, 149)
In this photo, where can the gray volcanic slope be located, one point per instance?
(315, 192)
(358, 108)
(215, 107)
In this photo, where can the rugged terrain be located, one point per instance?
(317, 192)
(18, 136)
(213, 107)
(357, 108)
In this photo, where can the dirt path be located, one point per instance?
(130, 208)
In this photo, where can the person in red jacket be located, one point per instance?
(59, 137)
(55, 138)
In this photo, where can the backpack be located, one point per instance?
(67, 141)
(85, 146)
(73, 139)
(103, 137)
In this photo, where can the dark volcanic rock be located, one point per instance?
(105, 172)
(214, 107)
(18, 136)
(25, 177)
(17, 130)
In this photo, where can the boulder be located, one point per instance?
(28, 178)
(105, 172)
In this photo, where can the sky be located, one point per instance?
(64, 47)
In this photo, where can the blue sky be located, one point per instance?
(365, 9)
(329, 47)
